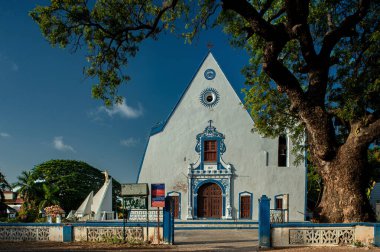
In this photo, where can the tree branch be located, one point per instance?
(259, 26)
(365, 132)
(266, 6)
(345, 29)
(297, 13)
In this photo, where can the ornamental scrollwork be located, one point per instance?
(210, 132)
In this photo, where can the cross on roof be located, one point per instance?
(210, 121)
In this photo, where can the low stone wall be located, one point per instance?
(91, 232)
(310, 234)
(104, 233)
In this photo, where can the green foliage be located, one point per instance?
(3, 186)
(68, 182)
(111, 30)
(27, 214)
(314, 187)
(63, 182)
(29, 190)
(373, 169)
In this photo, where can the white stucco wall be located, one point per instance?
(170, 151)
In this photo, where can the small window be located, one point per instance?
(210, 153)
(279, 203)
(282, 151)
(245, 207)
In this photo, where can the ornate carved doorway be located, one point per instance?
(209, 201)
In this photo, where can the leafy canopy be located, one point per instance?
(63, 182)
(346, 33)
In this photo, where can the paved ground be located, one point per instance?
(194, 240)
(216, 240)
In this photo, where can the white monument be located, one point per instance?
(98, 207)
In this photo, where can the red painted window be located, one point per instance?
(210, 152)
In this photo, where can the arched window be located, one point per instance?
(282, 151)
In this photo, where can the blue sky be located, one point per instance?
(46, 109)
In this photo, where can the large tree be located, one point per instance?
(68, 182)
(313, 68)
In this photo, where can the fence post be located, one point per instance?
(67, 233)
(168, 220)
(264, 222)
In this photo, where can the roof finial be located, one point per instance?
(210, 121)
(209, 46)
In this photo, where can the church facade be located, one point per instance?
(211, 162)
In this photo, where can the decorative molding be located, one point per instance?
(327, 236)
(97, 234)
(210, 132)
(209, 74)
(209, 93)
(24, 233)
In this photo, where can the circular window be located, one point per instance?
(209, 97)
(209, 74)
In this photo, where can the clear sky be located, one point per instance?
(46, 109)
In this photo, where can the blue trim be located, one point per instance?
(309, 224)
(251, 208)
(224, 222)
(84, 224)
(195, 196)
(179, 202)
(22, 224)
(142, 160)
(117, 224)
(214, 228)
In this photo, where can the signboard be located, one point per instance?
(136, 202)
(134, 190)
(158, 195)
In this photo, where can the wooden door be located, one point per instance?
(209, 201)
(245, 207)
(176, 206)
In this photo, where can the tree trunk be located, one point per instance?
(345, 179)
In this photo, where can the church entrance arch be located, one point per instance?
(209, 201)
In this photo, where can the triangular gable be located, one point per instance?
(209, 59)
(161, 125)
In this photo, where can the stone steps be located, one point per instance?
(217, 224)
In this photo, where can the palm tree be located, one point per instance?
(3, 185)
(28, 187)
(49, 196)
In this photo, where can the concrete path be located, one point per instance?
(216, 240)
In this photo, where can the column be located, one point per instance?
(189, 196)
(228, 200)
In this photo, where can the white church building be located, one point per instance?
(211, 162)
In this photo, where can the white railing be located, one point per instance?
(143, 215)
(279, 215)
